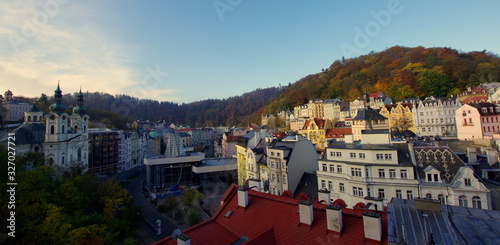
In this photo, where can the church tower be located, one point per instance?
(66, 137)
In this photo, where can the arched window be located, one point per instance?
(62, 160)
(35, 119)
(62, 129)
(428, 196)
(36, 149)
(441, 199)
(476, 202)
(52, 129)
(76, 128)
(462, 201)
(29, 119)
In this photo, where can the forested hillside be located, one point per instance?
(398, 72)
(116, 110)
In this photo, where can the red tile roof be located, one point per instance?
(338, 132)
(271, 219)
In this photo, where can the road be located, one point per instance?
(150, 212)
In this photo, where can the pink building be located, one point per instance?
(477, 121)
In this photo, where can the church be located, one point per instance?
(66, 136)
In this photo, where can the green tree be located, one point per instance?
(191, 196)
(433, 82)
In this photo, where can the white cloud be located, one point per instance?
(64, 47)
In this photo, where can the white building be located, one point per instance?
(435, 116)
(445, 177)
(369, 171)
(287, 160)
(66, 137)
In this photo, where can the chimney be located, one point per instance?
(492, 157)
(324, 195)
(334, 218)
(242, 197)
(471, 154)
(372, 226)
(306, 212)
(183, 239)
(257, 183)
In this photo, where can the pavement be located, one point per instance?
(151, 214)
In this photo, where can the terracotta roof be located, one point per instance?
(338, 132)
(474, 99)
(271, 219)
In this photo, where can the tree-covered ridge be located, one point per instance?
(116, 110)
(398, 72)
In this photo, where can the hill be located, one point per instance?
(399, 72)
(117, 110)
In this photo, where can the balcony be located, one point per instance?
(467, 124)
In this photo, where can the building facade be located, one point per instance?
(477, 121)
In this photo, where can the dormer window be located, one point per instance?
(432, 174)
(467, 182)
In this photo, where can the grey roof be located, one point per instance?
(369, 114)
(440, 157)
(449, 225)
(27, 133)
(34, 108)
(309, 185)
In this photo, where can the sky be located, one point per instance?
(185, 51)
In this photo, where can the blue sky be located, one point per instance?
(185, 51)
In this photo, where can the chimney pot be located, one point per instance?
(183, 239)
(255, 182)
(242, 197)
(334, 218)
(306, 212)
(324, 195)
(372, 226)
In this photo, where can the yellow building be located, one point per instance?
(400, 116)
(315, 130)
(241, 160)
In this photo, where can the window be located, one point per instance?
(332, 153)
(362, 155)
(462, 201)
(436, 178)
(467, 182)
(381, 193)
(355, 191)
(278, 154)
(323, 184)
(476, 202)
(409, 195)
(428, 196)
(381, 173)
(338, 154)
(284, 179)
(404, 174)
(398, 194)
(339, 169)
(324, 167)
(392, 173)
(441, 198)
(52, 129)
(330, 185)
(380, 156)
(353, 155)
(356, 172)
(341, 187)
(332, 168)
(429, 177)
(388, 156)
(272, 153)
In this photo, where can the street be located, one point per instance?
(150, 212)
